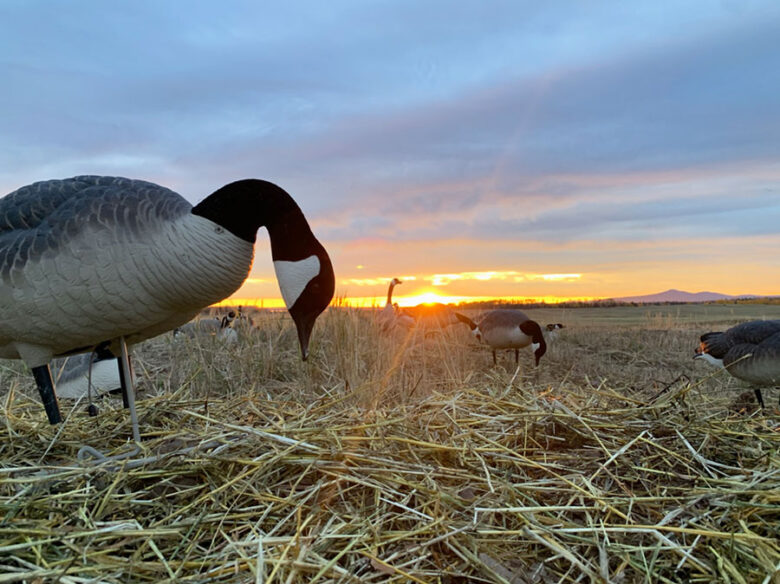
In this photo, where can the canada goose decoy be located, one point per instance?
(551, 331)
(96, 261)
(403, 318)
(221, 329)
(78, 375)
(507, 329)
(388, 311)
(391, 315)
(749, 351)
(244, 318)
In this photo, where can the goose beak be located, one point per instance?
(304, 324)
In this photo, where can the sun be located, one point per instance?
(423, 298)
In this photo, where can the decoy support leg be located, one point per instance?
(128, 391)
(45, 385)
(759, 397)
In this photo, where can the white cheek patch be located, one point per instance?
(294, 276)
(535, 346)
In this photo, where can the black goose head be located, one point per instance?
(533, 330)
(712, 348)
(303, 267)
(472, 325)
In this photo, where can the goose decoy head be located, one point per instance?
(228, 319)
(303, 268)
(538, 344)
(708, 348)
(701, 353)
(471, 324)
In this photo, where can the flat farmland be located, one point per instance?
(405, 457)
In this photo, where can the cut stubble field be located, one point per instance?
(406, 457)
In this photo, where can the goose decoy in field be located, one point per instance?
(508, 329)
(749, 351)
(551, 332)
(391, 315)
(97, 261)
(388, 311)
(76, 375)
(222, 329)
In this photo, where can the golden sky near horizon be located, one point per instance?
(737, 266)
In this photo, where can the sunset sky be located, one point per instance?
(471, 148)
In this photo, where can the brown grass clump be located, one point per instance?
(400, 458)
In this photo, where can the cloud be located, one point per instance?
(530, 137)
(506, 275)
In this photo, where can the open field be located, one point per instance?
(406, 458)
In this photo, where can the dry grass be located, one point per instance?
(400, 459)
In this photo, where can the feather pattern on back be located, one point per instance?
(78, 269)
(750, 351)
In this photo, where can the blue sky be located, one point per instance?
(635, 145)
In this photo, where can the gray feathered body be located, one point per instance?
(89, 259)
(750, 351)
(501, 329)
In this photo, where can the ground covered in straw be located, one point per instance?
(400, 458)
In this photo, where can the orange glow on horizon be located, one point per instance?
(252, 302)
(428, 297)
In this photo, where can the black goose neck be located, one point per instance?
(242, 207)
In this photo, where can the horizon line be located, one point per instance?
(429, 298)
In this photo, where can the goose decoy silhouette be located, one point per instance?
(222, 329)
(100, 262)
(749, 351)
(507, 329)
(551, 331)
(391, 315)
(388, 313)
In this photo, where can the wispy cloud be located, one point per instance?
(514, 276)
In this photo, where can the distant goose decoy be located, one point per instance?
(749, 351)
(96, 261)
(388, 311)
(220, 328)
(391, 315)
(551, 331)
(507, 329)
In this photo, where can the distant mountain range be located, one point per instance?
(681, 296)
